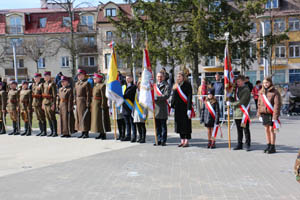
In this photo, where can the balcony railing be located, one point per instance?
(19, 51)
(86, 28)
(11, 72)
(15, 29)
(89, 69)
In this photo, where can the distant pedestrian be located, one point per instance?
(248, 83)
(269, 104)
(202, 92)
(286, 95)
(255, 92)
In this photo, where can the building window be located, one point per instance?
(89, 61)
(65, 61)
(41, 63)
(252, 76)
(66, 21)
(15, 24)
(107, 60)
(110, 12)
(294, 24)
(272, 4)
(267, 27)
(43, 22)
(294, 50)
(280, 52)
(294, 75)
(17, 41)
(90, 41)
(88, 20)
(20, 63)
(279, 76)
(253, 28)
(210, 61)
(109, 36)
(279, 25)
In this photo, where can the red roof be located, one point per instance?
(54, 19)
(2, 24)
(53, 25)
(125, 8)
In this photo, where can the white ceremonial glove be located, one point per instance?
(144, 116)
(189, 112)
(172, 110)
(155, 97)
(260, 119)
(228, 103)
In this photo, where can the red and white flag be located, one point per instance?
(146, 87)
(228, 73)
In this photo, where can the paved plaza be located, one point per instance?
(76, 169)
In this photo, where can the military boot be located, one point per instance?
(17, 132)
(3, 131)
(26, 129)
(143, 140)
(41, 128)
(14, 128)
(272, 149)
(85, 134)
(51, 128)
(54, 123)
(44, 125)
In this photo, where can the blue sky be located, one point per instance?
(12, 4)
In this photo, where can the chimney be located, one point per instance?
(44, 4)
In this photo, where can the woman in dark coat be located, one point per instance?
(209, 120)
(182, 105)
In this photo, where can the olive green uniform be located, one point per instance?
(12, 108)
(3, 102)
(37, 99)
(26, 109)
(49, 100)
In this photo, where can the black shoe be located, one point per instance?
(126, 139)
(213, 145)
(272, 149)
(44, 134)
(133, 140)
(24, 133)
(12, 133)
(238, 147)
(39, 134)
(81, 136)
(54, 135)
(267, 149)
(163, 144)
(86, 135)
(248, 148)
(28, 133)
(103, 136)
(99, 137)
(158, 143)
(67, 136)
(139, 140)
(17, 133)
(50, 135)
(143, 141)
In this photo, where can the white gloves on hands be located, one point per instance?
(144, 116)
(172, 110)
(260, 119)
(189, 113)
(228, 103)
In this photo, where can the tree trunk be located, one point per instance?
(195, 73)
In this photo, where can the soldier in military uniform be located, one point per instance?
(26, 108)
(3, 102)
(37, 90)
(49, 102)
(83, 95)
(105, 107)
(65, 105)
(13, 107)
(97, 125)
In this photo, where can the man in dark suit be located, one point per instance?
(129, 94)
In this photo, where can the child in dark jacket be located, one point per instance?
(210, 117)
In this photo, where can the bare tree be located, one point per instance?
(69, 43)
(39, 47)
(3, 54)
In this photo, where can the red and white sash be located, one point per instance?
(159, 93)
(245, 110)
(184, 99)
(213, 114)
(269, 106)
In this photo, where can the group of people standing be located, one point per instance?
(86, 109)
(268, 104)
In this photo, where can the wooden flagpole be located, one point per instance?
(228, 107)
(115, 121)
(154, 123)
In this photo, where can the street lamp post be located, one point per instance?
(133, 64)
(15, 60)
(265, 61)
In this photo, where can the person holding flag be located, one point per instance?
(127, 108)
(210, 114)
(241, 103)
(140, 115)
(162, 108)
(181, 104)
(269, 105)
